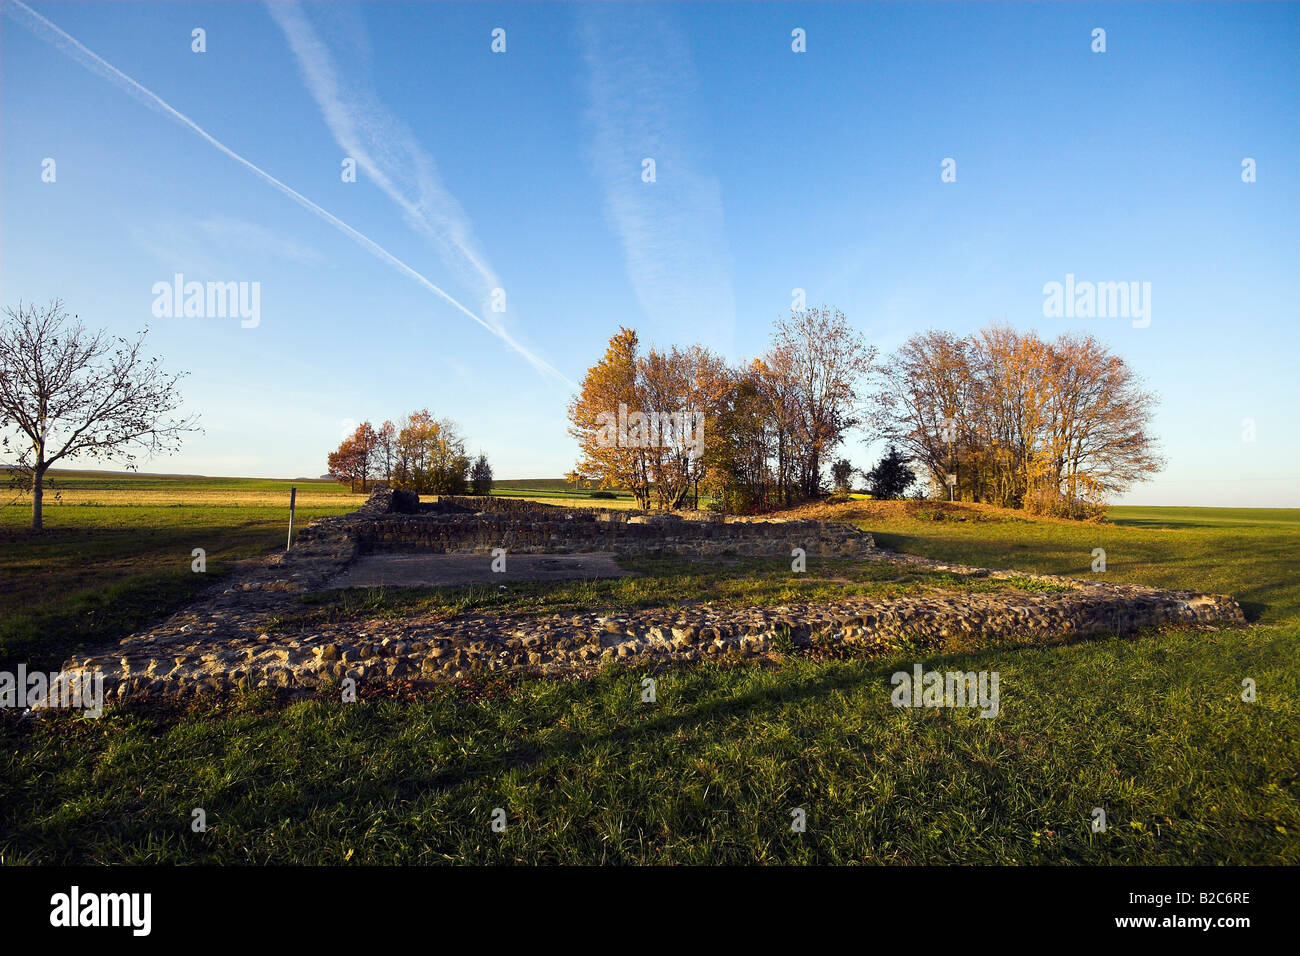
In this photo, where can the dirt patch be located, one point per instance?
(442, 570)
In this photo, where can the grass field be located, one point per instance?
(557, 491)
(1152, 728)
(117, 549)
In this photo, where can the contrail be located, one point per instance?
(382, 146)
(70, 45)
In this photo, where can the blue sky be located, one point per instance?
(775, 170)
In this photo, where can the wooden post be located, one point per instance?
(293, 500)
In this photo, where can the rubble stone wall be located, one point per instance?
(466, 525)
(227, 640)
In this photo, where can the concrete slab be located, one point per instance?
(440, 570)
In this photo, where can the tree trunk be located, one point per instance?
(38, 497)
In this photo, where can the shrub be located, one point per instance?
(1053, 504)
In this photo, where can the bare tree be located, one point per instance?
(827, 360)
(386, 451)
(927, 406)
(71, 393)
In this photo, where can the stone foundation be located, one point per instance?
(222, 642)
(461, 525)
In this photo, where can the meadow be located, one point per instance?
(117, 549)
(1152, 728)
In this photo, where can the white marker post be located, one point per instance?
(293, 500)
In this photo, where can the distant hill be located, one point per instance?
(535, 484)
(555, 490)
(547, 488)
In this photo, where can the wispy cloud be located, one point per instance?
(642, 104)
(52, 34)
(382, 145)
(256, 240)
(217, 245)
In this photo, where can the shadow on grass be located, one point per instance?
(84, 623)
(719, 708)
(1254, 610)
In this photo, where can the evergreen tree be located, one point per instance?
(842, 476)
(481, 476)
(891, 477)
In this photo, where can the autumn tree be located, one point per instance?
(430, 456)
(926, 404)
(1023, 423)
(69, 393)
(842, 476)
(777, 388)
(342, 463)
(754, 437)
(449, 464)
(796, 405)
(356, 458)
(682, 390)
(738, 472)
(367, 443)
(609, 386)
(1097, 423)
(643, 421)
(385, 451)
(426, 456)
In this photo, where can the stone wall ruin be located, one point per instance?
(400, 522)
(224, 641)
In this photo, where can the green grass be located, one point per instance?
(547, 488)
(103, 568)
(707, 774)
(1151, 728)
(1253, 554)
